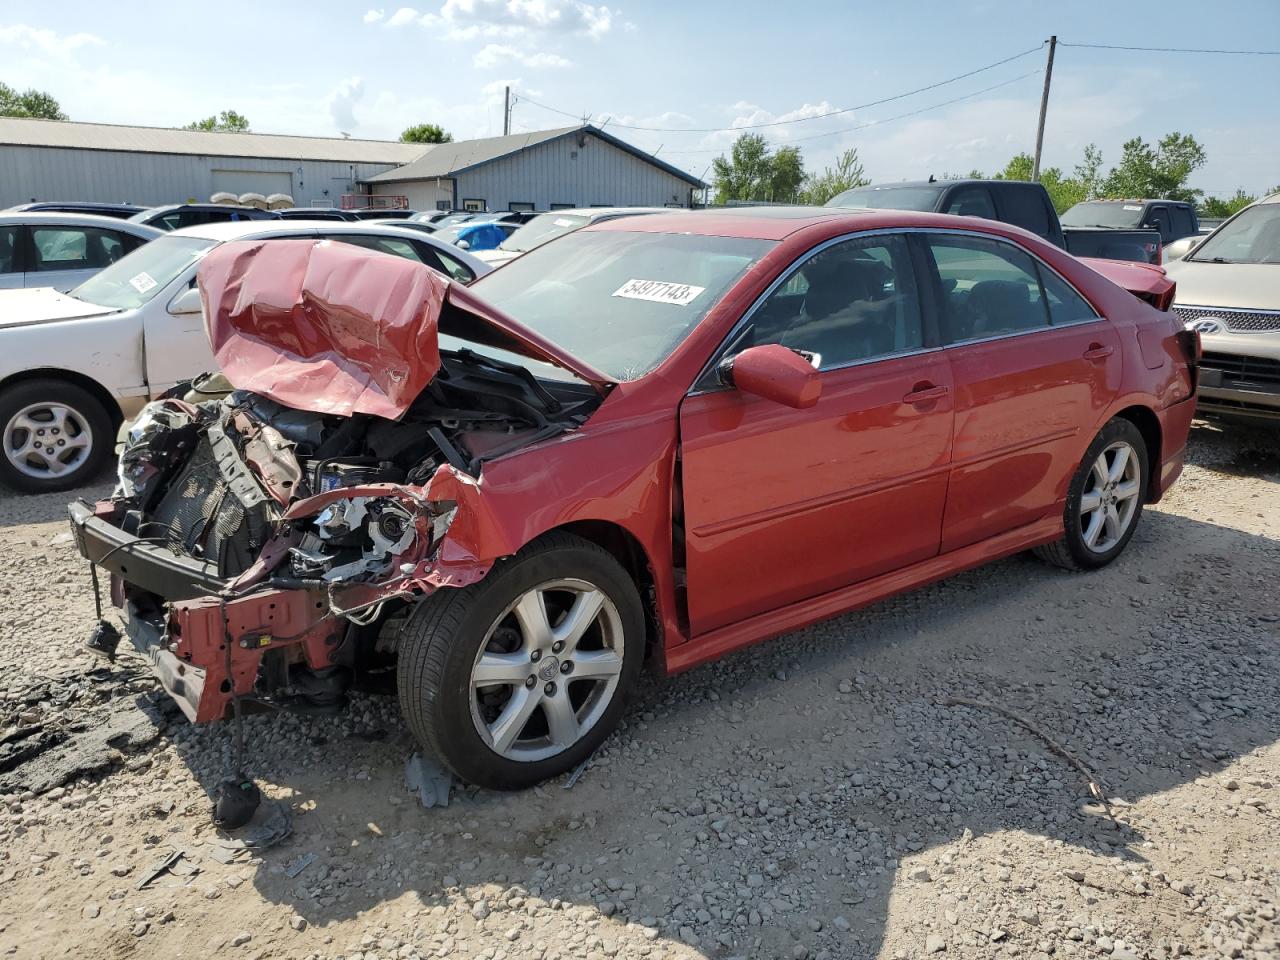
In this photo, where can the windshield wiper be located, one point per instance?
(549, 401)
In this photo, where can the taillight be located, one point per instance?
(1154, 253)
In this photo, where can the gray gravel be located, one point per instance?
(811, 797)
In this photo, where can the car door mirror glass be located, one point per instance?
(1180, 248)
(185, 303)
(777, 373)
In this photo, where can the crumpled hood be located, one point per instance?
(21, 308)
(337, 329)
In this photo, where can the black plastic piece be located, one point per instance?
(103, 640)
(235, 801)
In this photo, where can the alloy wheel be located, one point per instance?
(45, 441)
(547, 671)
(1111, 497)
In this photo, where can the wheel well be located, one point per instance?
(627, 550)
(100, 392)
(1148, 425)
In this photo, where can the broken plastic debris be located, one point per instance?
(275, 826)
(173, 865)
(429, 779)
(296, 866)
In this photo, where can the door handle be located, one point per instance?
(1097, 351)
(925, 393)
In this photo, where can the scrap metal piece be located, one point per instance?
(170, 865)
(429, 780)
(295, 867)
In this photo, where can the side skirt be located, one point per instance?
(717, 643)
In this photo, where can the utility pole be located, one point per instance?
(506, 112)
(1044, 106)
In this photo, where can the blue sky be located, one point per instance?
(372, 69)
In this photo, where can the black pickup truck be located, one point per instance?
(1023, 204)
(1174, 219)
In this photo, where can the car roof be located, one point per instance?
(58, 219)
(87, 205)
(229, 230)
(760, 223)
(595, 212)
(201, 206)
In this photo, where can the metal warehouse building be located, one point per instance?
(568, 167)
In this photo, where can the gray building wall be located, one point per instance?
(59, 173)
(559, 172)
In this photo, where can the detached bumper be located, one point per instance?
(209, 643)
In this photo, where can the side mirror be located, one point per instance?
(185, 303)
(1180, 248)
(464, 244)
(775, 373)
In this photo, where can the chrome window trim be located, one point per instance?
(742, 322)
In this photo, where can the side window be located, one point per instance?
(1183, 225)
(971, 202)
(395, 247)
(854, 301)
(989, 288)
(61, 248)
(1065, 305)
(1024, 206)
(454, 268)
(9, 249)
(1158, 218)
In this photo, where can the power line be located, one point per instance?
(1111, 46)
(816, 116)
(876, 123)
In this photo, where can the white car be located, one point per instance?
(74, 366)
(545, 227)
(63, 250)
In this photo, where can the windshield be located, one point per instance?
(135, 279)
(1113, 215)
(620, 301)
(1252, 237)
(887, 198)
(541, 229)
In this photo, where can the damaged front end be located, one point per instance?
(266, 543)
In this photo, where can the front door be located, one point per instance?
(781, 504)
(1032, 363)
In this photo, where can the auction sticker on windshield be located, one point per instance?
(142, 282)
(659, 291)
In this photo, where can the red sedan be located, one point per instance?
(659, 438)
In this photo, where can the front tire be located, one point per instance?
(55, 436)
(1104, 502)
(518, 678)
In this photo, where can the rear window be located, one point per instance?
(1111, 214)
(888, 198)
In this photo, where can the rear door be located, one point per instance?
(1034, 367)
(780, 504)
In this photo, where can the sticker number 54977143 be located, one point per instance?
(659, 291)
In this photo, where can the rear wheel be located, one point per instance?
(1104, 502)
(521, 676)
(56, 435)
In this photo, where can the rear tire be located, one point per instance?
(55, 436)
(1104, 501)
(554, 694)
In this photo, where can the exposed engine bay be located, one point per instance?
(349, 513)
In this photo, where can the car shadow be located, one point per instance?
(794, 781)
(1238, 449)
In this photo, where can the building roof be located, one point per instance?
(25, 131)
(451, 159)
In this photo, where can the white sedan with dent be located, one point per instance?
(73, 366)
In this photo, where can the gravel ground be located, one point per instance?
(812, 797)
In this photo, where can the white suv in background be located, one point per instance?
(74, 366)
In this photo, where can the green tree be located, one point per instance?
(29, 103)
(426, 133)
(818, 188)
(1216, 207)
(1088, 172)
(752, 172)
(228, 121)
(1159, 172)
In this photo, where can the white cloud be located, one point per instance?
(342, 103)
(496, 54)
(48, 42)
(471, 19)
(403, 16)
